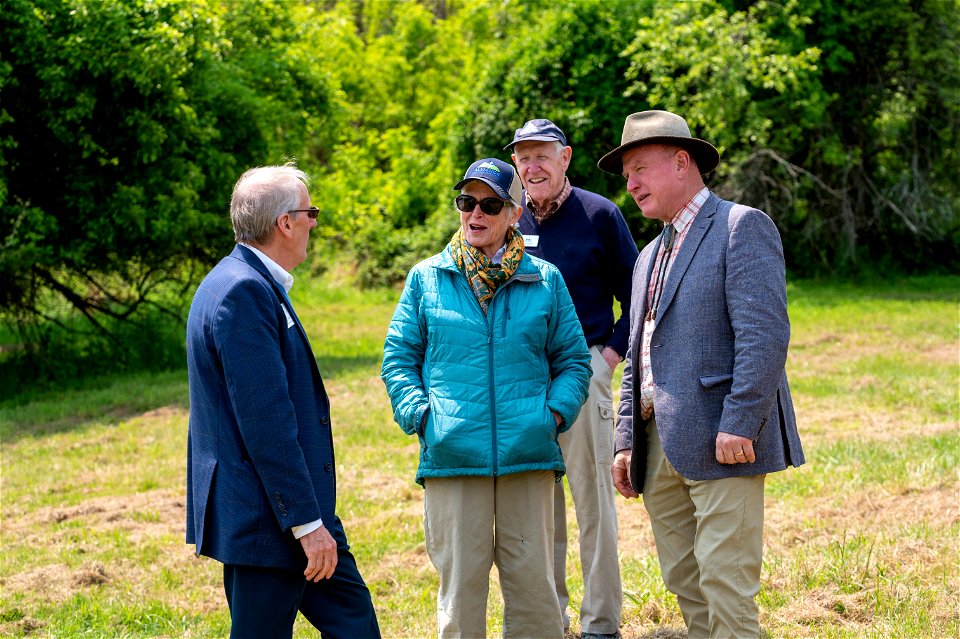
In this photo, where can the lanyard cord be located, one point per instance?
(669, 235)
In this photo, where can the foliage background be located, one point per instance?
(124, 123)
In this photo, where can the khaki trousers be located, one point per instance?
(709, 537)
(588, 455)
(471, 523)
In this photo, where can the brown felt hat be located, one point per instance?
(660, 127)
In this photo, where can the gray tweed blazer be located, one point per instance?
(718, 349)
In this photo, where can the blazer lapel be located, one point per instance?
(638, 295)
(645, 278)
(687, 250)
(250, 258)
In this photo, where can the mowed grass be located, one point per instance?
(862, 541)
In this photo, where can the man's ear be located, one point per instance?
(682, 158)
(283, 224)
(566, 155)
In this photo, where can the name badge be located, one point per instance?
(531, 241)
(287, 313)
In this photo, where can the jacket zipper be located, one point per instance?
(491, 378)
(506, 311)
(493, 392)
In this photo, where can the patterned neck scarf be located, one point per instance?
(482, 274)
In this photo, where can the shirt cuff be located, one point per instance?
(306, 529)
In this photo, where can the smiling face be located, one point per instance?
(658, 179)
(542, 167)
(486, 232)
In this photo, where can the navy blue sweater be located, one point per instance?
(588, 240)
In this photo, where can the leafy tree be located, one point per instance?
(125, 125)
(402, 72)
(889, 143)
(454, 90)
(570, 71)
(845, 143)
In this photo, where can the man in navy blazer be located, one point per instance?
(261, 484)
(705, 410)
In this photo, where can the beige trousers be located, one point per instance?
(588, 454)
(709, 537)
(471, 523)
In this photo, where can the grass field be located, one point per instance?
(862, 541)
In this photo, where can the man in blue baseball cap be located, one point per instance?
(585, 236)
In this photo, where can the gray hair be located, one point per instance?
(260, 196)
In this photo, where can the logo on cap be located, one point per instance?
(487, 166)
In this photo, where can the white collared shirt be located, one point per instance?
(286, 281)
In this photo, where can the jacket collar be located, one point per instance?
(250, 258)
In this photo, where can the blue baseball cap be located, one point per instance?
(539, 130)
(498, 175)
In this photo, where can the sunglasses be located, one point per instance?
(312, 212)
(489, 205)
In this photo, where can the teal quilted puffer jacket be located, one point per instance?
(478, 389)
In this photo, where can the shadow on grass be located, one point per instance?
(95, 400)
(108, 400)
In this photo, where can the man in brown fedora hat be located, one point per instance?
(705, 410)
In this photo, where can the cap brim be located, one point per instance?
(704, 154)
(534, 138)
(493, 185)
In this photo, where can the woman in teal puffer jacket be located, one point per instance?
(486, 363)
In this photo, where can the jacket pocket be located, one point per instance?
(427, 422)
(606, 410)
(422, 426)
(709, 381)
(605, 434)
(550, 423)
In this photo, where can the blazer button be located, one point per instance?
(324, 420)
(327, 467)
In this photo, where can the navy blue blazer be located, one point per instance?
(260, 449)
(717, 351)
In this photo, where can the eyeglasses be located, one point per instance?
(312, 212)
(489, 205)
